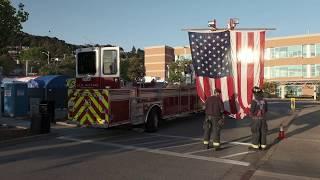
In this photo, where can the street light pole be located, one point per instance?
(48, 54)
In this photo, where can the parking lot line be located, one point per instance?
(130, 139)
(200, 139)
(162, 152)
(181, 145)
(198, 151)
(237, 154)
(150, 142)
(44, 147)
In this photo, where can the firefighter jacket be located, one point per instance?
(214, 106)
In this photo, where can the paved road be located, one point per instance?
(174, 152)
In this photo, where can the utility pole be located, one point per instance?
(48, 54)
(27, 62)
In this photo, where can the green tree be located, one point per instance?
(140, 53)
(136, 69)
(270, 87)
(124, 65)
(133, 50)
(7, 64)
(177, 71)
(10, 21)
(62, 67)
(36, 59)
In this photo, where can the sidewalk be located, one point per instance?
(297, 156)
(22, 123)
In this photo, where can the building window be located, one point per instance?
(283, 52)
(312, 50)
(304, 50)
(312, 70)
(294, 71)
(286, 52)
(289, 71)
(295, 51)
(304, 70)
(317, 49)
(317, 70)
(283, 71)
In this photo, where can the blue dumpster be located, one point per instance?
(15, 99)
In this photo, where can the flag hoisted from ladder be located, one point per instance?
(231, 61)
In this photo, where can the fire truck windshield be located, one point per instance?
(110, 62)
(87, 63)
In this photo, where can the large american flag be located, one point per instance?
(231, 61)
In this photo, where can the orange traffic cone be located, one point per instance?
(281, 133)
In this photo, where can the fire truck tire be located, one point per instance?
(152, 123)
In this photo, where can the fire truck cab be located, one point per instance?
(96, 98)
(98, 67)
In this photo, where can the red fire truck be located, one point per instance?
(96, 98)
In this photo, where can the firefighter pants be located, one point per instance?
(259, 129)
(212, 126)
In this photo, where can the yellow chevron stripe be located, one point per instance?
(90, 119)
(98, 98)
(94, 97)
(93, 111)
(99, 121)
(107, 118)
(85, 118)
(76, 116)
(78, 101)
(70, 91)
(71, 83)
(95, 102)
(105, 103)
(76, 92)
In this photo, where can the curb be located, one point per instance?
(66, 124)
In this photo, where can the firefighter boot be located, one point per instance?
(206, 144)
(216, 146)
(253, 147)
(263, 147)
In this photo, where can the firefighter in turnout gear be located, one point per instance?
(259, 127)
(213, 120)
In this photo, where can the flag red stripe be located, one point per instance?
(217, 83)
(250, 68)
(206, 86)
(199, 89)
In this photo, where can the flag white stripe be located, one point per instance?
(201, 85)
(256, 59)
(244, 70)
(212, 85)
(225, 94)
(233, 43)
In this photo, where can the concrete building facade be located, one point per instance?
(292, 62)
(157, 59)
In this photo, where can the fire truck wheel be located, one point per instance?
(152, 123)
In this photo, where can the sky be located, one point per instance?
(143, 23)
